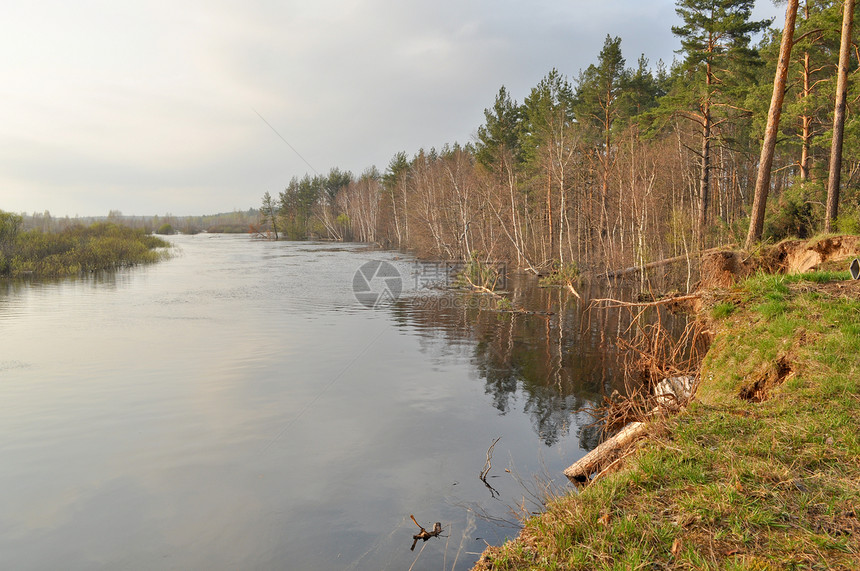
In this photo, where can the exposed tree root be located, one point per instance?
(660, 378)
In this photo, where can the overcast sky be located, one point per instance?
(155, 107)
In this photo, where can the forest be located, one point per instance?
(625, 164)
(236, 222)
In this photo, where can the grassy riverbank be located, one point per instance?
(762, 471)
(100, 246)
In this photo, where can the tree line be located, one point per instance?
(622, 165)
(236, 222)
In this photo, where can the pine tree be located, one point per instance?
(715, 39)
(500, 135)
(269, 212)
(599, 105)
(834, 177)
(762, 185)
(546, 143)
(817, 46)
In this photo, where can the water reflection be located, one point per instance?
(18, 292)
(553, 361)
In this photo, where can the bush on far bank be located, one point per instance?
(99, 246)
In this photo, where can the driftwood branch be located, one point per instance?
(424, 534)
(480, 288)
(488, 464)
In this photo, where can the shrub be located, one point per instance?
(101, 246)
(561, 275)
(792, 215)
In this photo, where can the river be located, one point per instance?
(237, 407)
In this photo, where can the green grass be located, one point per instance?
(818, 277)
(723, 309)
(730, 483)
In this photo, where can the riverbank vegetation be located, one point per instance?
(74, 249)
(759, 472)
(620, 165)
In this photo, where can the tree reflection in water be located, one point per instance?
(557, 362)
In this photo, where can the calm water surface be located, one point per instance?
(236, 408)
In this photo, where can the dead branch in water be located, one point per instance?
(487, 467)
(424, 534)
(653, 357)
(489, 462)
(480, 288)
(504, 300)
(651, 351)
(617, 410)
(654, 353)
(618, 303)
(642, 268)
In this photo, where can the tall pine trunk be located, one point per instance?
(762, 183)
(806, 120)
(833, 179)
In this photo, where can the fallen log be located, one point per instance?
(606, 453)
(666, 300)
(657, 264)
(649, 266)
(670, 393)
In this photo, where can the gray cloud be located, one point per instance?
(150, 108)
